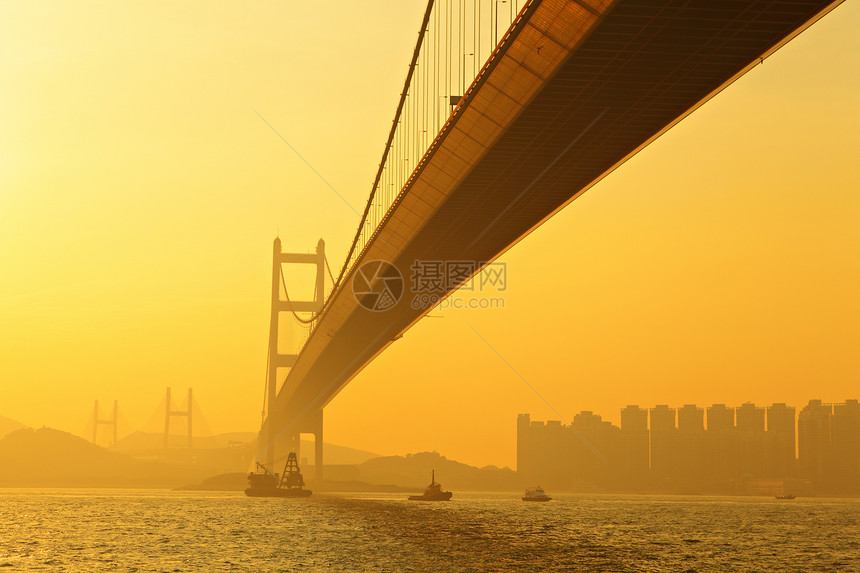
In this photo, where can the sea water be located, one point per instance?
(140, 530)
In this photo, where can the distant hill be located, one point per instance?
(52, 458)
(336, 455)
(148, 441)
(414, 471)
(233, 481)
(8, 425)
(395, 474)
(142, 443)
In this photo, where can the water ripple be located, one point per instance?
(111, 530)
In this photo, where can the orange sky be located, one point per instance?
(140, 193)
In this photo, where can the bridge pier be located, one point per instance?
(311, 424)
(279, 447)
(318, 450)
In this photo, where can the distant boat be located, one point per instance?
(433, 492)
(782, 495)
(267, 484)
(536, 494)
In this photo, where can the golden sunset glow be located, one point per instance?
(140, 192)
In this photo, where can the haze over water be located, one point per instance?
(112, 530)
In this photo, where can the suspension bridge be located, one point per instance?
(509, 111)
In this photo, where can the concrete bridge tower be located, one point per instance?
(272, 438)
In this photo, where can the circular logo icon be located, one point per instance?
(377, 285)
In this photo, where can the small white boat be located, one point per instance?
(536, 494)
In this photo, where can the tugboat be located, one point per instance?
(433, 492)
(535, 494)
(267, 484)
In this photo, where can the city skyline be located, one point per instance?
(742, 450)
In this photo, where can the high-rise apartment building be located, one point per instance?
(691, 451)
(633, 448)
(750, 426)
(724, 446)
(664, 442)
(780, 441)
(814, 451)
(846, 445)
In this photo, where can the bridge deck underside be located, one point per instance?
(643, 66)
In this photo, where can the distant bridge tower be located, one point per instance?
(168, 412)
(312, 422)
(110, 422)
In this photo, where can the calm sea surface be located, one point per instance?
(122, 530)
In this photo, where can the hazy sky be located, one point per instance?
(140, 192)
